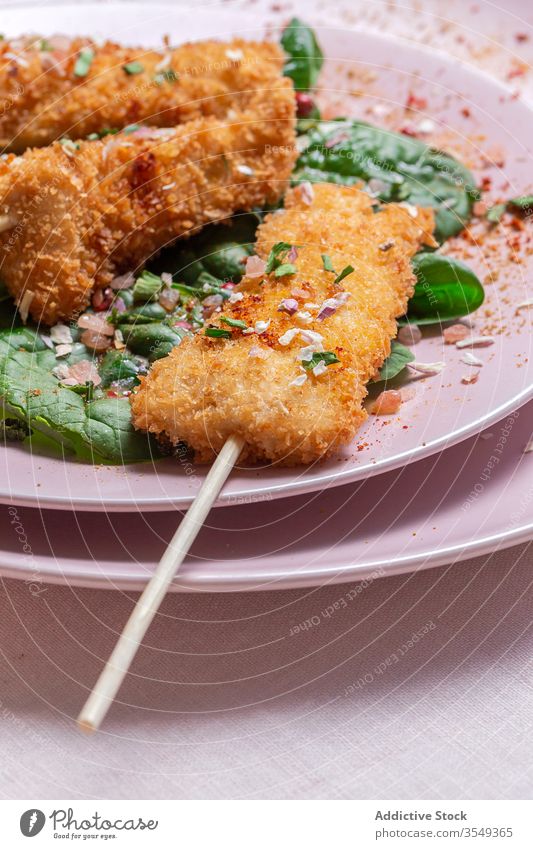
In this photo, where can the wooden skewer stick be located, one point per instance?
(113, 673)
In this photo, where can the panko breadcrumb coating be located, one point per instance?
(74, 217)
(255, 384)
(59, 86)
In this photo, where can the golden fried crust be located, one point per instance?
(77, 218)
(208, 389)
(42, 99)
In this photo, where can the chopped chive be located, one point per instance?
(168, 76)
(132, 68)
(285, 269)
(45, 46)
(185, 291)
(344, 273)
(147, 286)
(68, 143)
(107, 131)
(234, 322)
(327, 357)
(83, 62)
(495, 213)
(327, 263)
(276, 256)
(131, 128)
(217, 333)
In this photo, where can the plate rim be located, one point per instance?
(284, 490)
(266, 582)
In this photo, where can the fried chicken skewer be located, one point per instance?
(286, 365)
(74, 217)
(263, 392)
(58, 86)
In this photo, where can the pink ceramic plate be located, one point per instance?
(460, 108)
(470, 499)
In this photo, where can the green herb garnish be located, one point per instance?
(45, 46)
(69, 144)
(132, 68)
(276, 256)
(234, 322)
(217, 333)
(327, 263)
(168, 76)
(327, 357)
(285, 269)
(523, 204)
(348, 269)
(83, 62)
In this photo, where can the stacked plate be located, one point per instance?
(446, 478)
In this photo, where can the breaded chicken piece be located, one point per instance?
(75, 87)
(76, 218)
(256, 385)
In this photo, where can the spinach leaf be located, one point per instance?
(147, 287)
(396, 168)
(446, 289)
(395, 362)
(118, 365)
(218, 254)
(304, 56)
(100, 431)
(152, 340)
(110, 433)
(140, 315)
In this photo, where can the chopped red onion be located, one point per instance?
(119, 305)
(288, 305)
(331, 305)
(293, 254)
(305, 192)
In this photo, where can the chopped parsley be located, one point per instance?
(234, 322)
(217, 333)
(348, 269)
(168, 76)
(277, 256)
(327, 263)
(69, 144)
(107, 131)
(285, 269)
(83, 62)
(45, 46)
(327, 357)
(132, 68)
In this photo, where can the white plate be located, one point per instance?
(444, 410)
(471, 499)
